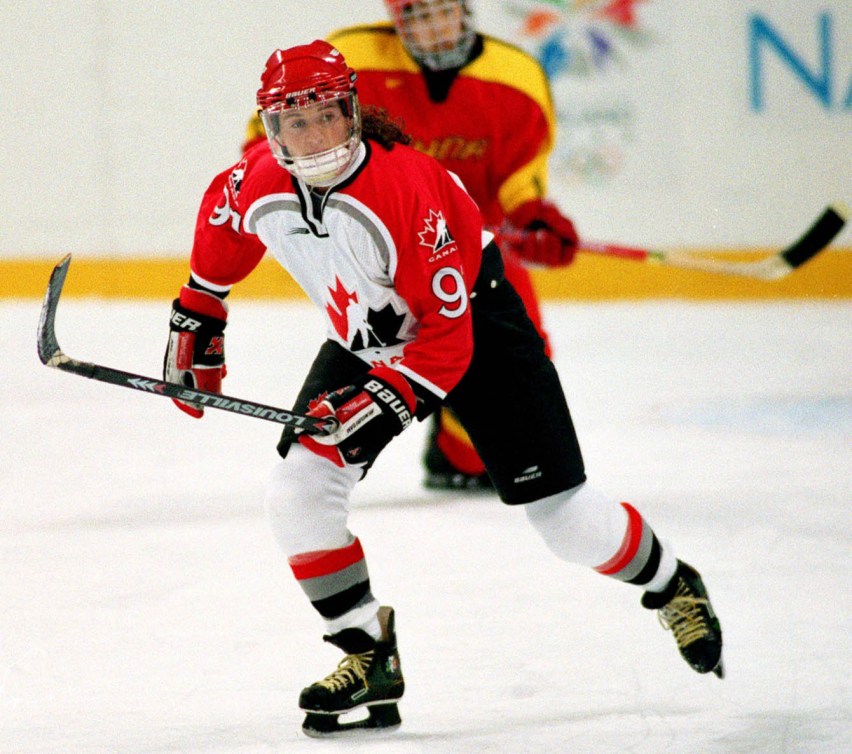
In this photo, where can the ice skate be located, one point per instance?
(368, 677)
(685, 610)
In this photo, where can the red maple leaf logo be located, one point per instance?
(336, 310)
(435, 234)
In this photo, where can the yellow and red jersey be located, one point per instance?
(494, 128)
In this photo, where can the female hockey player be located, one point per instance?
(391, 248)
(483, 109)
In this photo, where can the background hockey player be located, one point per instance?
(392, 249)
(482, 108)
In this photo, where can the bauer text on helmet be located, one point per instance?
(310, 111)
(437, 33)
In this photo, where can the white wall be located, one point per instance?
(115, 116)
(694, 162)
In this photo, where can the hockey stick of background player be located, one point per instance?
(51, 355)
(774, 267)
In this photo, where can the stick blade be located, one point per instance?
(48, 346)
(817, 237)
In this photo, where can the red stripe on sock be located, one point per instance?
(627, 551)
(309, 565)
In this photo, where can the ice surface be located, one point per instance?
(144, 606)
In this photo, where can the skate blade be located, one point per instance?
(381, 718)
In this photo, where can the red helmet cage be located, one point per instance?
(304, 75)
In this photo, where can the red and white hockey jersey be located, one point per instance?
(390, 253)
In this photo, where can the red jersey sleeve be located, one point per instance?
(439, 253)
(222, 253)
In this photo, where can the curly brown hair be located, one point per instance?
(380, 126)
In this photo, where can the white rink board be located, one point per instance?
(118, 114)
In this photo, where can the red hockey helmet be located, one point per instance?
(308, 79)
(438, 34)
(305, 75)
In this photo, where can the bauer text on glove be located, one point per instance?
(195, 355)
(371, 411)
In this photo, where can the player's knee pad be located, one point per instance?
(307, 501)
(579, 525)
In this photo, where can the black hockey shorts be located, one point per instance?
(510, 400)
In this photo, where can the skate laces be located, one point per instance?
(684, 617)
(351, 669)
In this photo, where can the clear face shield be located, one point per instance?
(318, 142)
(437, 33)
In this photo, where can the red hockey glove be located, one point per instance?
(547, 237)
(195, 355)
(371, 411)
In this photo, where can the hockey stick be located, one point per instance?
(773, 267)
(51, 355)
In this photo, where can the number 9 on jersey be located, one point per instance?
(448, 287)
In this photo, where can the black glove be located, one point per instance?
(373, 410)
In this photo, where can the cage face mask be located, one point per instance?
(315, 143)
(437, 33)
